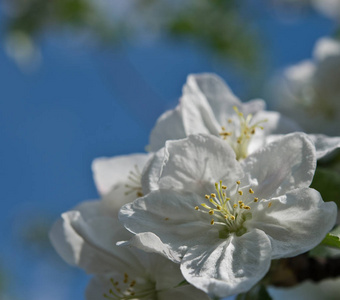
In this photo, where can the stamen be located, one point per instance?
(128, 290)
(240, 134)
(135, 177)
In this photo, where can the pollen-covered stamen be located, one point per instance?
(135, 185)
(239, 133)
(230, 210)
(128, 289)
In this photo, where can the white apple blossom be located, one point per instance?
(208, 106)
(310, 91)
(330, 8)
(224, 220)
(87, 240)
(118, 179)
(87, 237)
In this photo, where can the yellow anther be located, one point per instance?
(227, 199)
(196, 207)
(238, 182)
(240, 192)
(229, 121)
(251, 191)
(246, 207)
(216, 185)
(219, 207)
(261, 127)
(225, 216)
(211, 212)
(212, 222)
(256, 199)
(239, 141)
(213, 195)
(240, 201)
(269, 204)
(224, 187)
(235, 205)
(224, 195)
(207, 196)
(223, 128)
(232, 217)
(241, 205)
(253, 131)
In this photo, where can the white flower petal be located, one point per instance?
(283, 165)
(116, 198)
(169, 126)
(151, 243)
(152, 172)
(172, 217)
(324, 144)
(295, 222)
(108, 172)
(276, 123)
(89, 244)
(326, 47)
(215, 91)
(229, 266)
(197, 115)
(252, 107)
(196, 163)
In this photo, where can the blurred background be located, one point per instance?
(82, 79)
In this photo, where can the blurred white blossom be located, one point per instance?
(309, 92)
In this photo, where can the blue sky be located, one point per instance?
(83, 103)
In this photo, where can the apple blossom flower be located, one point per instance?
(309, 91)
(330, 8)
(208, 106)
(224, 220)
(118, 179)
(87, 240)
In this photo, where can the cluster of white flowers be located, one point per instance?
(222, 192)
(310, 90)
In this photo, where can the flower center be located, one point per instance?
(231, 210)
(134, 185)
(240, 134)
(130, 289)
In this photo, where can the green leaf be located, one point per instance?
(329, 247)
(258, 292)
(332, 240)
